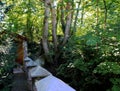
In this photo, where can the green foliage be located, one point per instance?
(93, 60)
(90, 58)
(25, 18)
(116, 84)
(107, 68)
(7, 62)
(33, 48)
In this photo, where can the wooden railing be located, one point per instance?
(40, 79)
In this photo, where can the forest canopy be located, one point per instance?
(81, 37)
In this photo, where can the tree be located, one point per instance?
(45, 29)
(54, 25)
(79, 35)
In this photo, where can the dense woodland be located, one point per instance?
(80, 40)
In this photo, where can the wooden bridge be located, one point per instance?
(31, 76)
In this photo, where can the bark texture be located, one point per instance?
(45, 29)
(54, 26)
(68, 24)
(105, 8)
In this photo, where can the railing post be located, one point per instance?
(25, 49)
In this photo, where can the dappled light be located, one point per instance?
(59, 45)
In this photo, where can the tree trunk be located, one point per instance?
(97, 13)
(105, 19)
(76, 17)
(66, 30)
(62, 18)
(82, 14)
(29, 23)
(54, 26)
(45, 30)
(68, 24)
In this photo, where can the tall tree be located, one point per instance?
(97, 11)
(76, 16)
(105, 12)
(68, 23)
(62, 17)
(45, 28)
(29, 23)
(54, 25)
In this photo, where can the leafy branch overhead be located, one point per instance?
(79, 39)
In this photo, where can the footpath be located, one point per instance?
(19, 80)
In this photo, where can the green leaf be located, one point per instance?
(115, 88)
(91, 42)
(80, 64)
(107, 67)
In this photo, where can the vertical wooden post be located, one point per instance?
(25, 49)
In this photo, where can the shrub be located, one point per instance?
(7, 62)
(92, 61)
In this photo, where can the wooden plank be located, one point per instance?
(20, 82)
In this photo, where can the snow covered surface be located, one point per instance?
(30, 63)
(52, 83)
(39, 72)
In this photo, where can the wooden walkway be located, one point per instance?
(19, 81)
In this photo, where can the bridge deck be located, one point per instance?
(19, 81)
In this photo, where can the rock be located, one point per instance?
(39, 72)
(52, 83)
